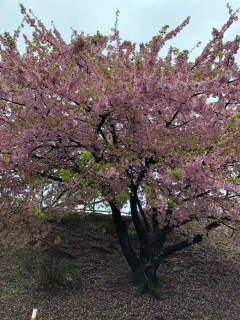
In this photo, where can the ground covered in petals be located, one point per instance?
(84, 276)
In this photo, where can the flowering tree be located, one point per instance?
(103, 118)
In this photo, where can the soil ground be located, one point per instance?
(200, 283)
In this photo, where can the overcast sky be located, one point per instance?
(139, 19)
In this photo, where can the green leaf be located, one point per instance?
(147, 189)
(198, 75)
(40, 213)
(133, 157)
(65, 174)
(176, 173)
(171, 204)
(233, 179)
(139, 60)
(84, 158)
(197, 246)
(9, 38)
(233, 121)
(200, 148)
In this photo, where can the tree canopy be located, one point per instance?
(105, 118)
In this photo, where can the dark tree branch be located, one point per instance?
(122, 233)
(143, 214)
(100, 125)
(50, 176)
(194, 66)
(78, 144)
(168, 229)
(199, 195)
(57, 199)
(227, 103)
(14, 102)
(8, 122)
(211, 226)
(184, 244)
(114, 134)
(180, 246)
(155, 224)
(197, 94)
(37, 157)
(141, 232)
(173, 118)
(38, 147)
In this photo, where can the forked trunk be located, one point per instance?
(145, 266)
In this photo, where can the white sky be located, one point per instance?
(139, 19)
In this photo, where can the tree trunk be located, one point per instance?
(147, 280)
(145, 267)
(122, 233)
